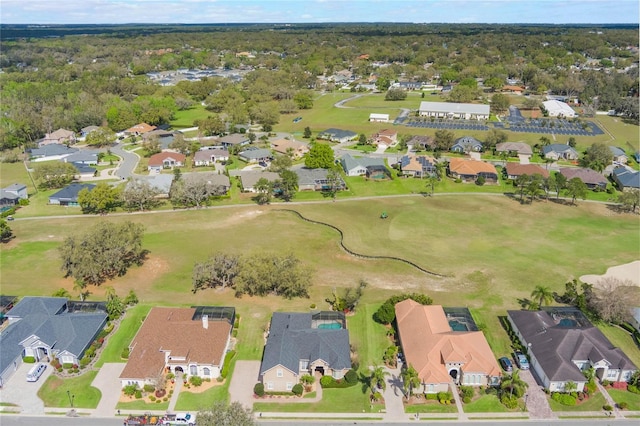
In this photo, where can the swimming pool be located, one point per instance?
(458, 326)
(330, 326)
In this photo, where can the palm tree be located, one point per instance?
(543, 294)
(377, 378)
(514, 383)
(410, 380)
(432, 181)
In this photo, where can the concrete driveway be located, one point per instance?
(25, 394)
(245, 377)
(536, 399)
(107, 381)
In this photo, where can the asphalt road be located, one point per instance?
(12, 420)
(129, 162)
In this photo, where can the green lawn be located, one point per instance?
(368, 337)
(633, 399)
(186, 118)
(486, 404)
(122, 337)
(622, 339)
(430, 407)
(142, 405)
(594, 403)
(54, 391)
(189, 401)
(16, 173)
(349, 400)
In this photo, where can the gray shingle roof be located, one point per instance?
(348, 162)
(555, 346)
(616, 151)
(16, 187)
(627, 178)
(52, 149)
(558, 147)
(292, 339)
(310, 176)
(71, 192)
(467, 142)
(337, 134)
(253, 154)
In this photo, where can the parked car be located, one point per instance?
(35, 372)
(505, 363)
(521, 360)
(9, 218)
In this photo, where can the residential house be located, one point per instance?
(386, 137)
(256, 155)
(443, 349)
(249, 178)
(207, 157)
(378, 118)
(83, 171)
(625, 178)
(557, 151)
(514, 170)
(84, 132)
(619, 156)
(635, 318)
(337, 135)
(60, 136)
(417, 166)
(516, 90)
(514, 149)
(360, 166)
(87, 157)
(17, 189)
(190, 341)
(290, 146)
(422, 143)
(234, 139)
(51, 152)
(139, 129)
(166, 160)
(164, 137)
(299, 344)
(563, 344)
(219, 183)
(454, 110)
(591, 178)
(314, 179)
(408, 85)
(471, 170)
(160, 182)
(7, 199)
(557, 108)
(47, 328)
(467, 144)
(68, 196)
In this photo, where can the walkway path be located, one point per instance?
(609, 400)
(536, 399)
(107, 381)
(462, 416)
(176, 394)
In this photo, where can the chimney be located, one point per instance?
(205, 321)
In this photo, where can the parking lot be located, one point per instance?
(442, 123)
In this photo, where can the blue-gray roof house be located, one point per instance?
(467, 144)
(46, 328)
(558, 151)
(68, 196)
(54, 151)
(300, 344)
(619, 156)
(337, 135)
(625, 178)
(359, 166)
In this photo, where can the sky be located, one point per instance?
(317, 11)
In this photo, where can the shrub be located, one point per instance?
(466, 399)
(467, 391)
(130, 390)
(326, 381)
(591, 386)
(195, 380)
(227, 364)
(234, 333)
(312, 306)
(258, 389)
(307, 379)
(509, 401)
(149, 388)
(160, 393)
(84, 362)
(607, 407)
(29, 359)
(351, 377)
(67, 365)
(158, 401)
(138, 394)
(606, 383)
(564, 398)
(165, 399)
(125, 353)
(431, 396)
(386, 313)
(633, 389)
(152, 398)
(297, 389)
(623, 405)
(170, 376)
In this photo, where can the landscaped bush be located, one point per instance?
(67, 365)
(84, 361)
(606, 383)
(326, 381)
(138, 394)
(431, 396)
(29, 359)
(149, 388)
(445, 397)
(152, 398)
(467, 391)
(160, 393)
(623, 405)
(130, 390)
(509, 401)
(125, 353)
(297, 389)
(620, 385)
(591, 386)
(386, 314)
(607, 407)
(633, 389)
(195, 380)
(564, 398)
(227, 364)
(351, 377)
(258, 389)
(466, 399)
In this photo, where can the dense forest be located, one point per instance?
(76, 76)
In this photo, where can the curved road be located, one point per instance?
(128, 164)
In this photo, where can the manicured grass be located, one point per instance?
(348, 400)
(594, 403)
(368, 337)
(122, 337)
(54, 391)
(142, 405)
(16, 173)
(632, 399)
(186, 118)
(622, 339)
(189, 401)
(430, 407)
(486, 404)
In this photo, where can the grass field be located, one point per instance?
(623, 340)
(632, 399)
(486, 404)
(122, 337)
(184, 119)
(349, 400)
(430, 407)
(53, 392)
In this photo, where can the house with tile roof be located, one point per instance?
(386, 137)
(60, 136)
(467, 144)
(139, 129)
(47, 328)
(360, 166)
(190, 341)
(299, 344)
(166, 160)
(591, 178)
(285, 146)
(562, 344)
(417, 166)
(626, 179)
(514, 170)
(441, 354)
(470, 170)
(558, 151)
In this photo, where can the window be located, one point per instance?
(612, 373)
(304, 364)
(432, 388)
(206, 371)
(270, 385)
(193, 370)
(289, 386)
(279, 372)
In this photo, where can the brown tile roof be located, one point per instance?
(140, 128)
(588, 176)
(157, 159)
(281, 145)
(519, 147)
(516, 169)
(513, 88)
(428, 343)
(462, 166)
(387, 132)
(174, 330)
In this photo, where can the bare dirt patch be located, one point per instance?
(628, 272)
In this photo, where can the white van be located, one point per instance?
(36, 371)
